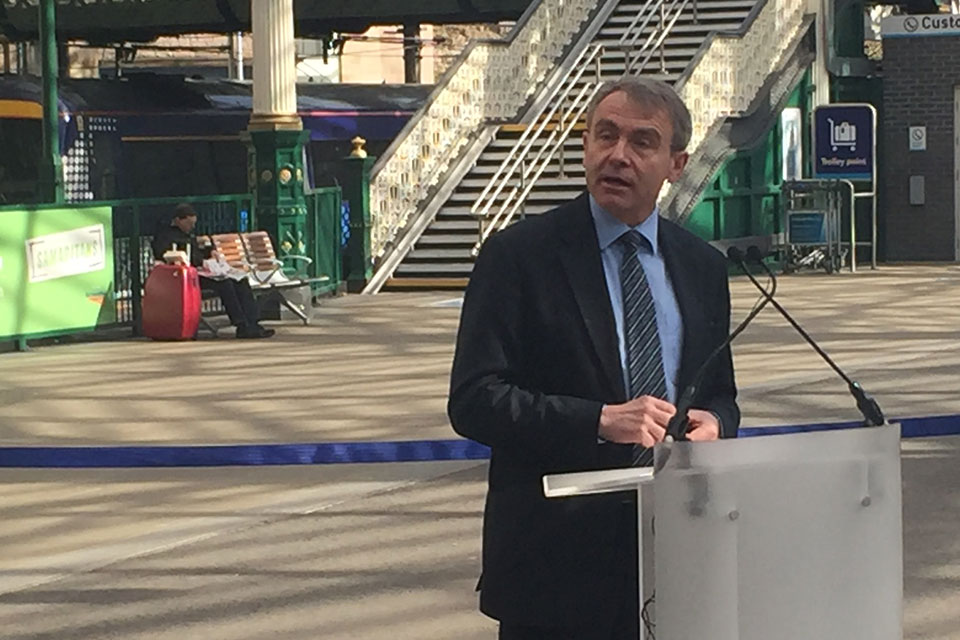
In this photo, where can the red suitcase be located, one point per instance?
(171, 303)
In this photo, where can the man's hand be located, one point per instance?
(703, 426)
(642, 421)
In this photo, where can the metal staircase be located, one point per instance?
(443, 255)
(723, 55)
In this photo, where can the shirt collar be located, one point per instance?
(610, 228)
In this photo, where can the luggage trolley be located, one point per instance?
(812, 214)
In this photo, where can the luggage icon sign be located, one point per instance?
(844, 141)
(842, 135)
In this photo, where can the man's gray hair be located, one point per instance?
(651, 94)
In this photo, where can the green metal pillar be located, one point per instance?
(276, 179)
(355, 184)
(52, 179)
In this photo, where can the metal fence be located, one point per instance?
(325, 230)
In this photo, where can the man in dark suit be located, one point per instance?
(236, 295)
(579, 330)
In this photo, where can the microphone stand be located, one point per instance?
(866, 404)
(677, 427)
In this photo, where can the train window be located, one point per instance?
(20, 160)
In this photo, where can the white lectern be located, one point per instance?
(786, 537)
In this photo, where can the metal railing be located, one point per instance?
(546, 138)
(633, 32)
(327, 233)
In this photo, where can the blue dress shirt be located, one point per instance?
(669, 320)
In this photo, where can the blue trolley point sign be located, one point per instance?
(845, 141)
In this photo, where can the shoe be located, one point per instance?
(263, 332)
(256, 332)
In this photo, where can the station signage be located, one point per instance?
(934, 24)
(844, 136)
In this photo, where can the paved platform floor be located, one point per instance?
(388, 550)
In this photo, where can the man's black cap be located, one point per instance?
(184, 210)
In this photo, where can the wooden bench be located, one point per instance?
(268, 276)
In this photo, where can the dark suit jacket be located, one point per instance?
(537, 358)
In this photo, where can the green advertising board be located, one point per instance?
(56, 270)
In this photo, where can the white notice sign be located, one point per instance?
(918, 138)
(67, 253)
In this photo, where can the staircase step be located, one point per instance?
(551, 126)
(615, 69)
(507, 135)
(448, 226)
(448, 240)
(612, 56)
(457, 217)
(686, 41)
(572, 167)
(537, 198)
(702, 6)
(494, 158)
(532, 208)
(703, 27)
(447, 269)
(624, 20)
(541, 183)
(439, 255)
(479, 180)
(432, 284)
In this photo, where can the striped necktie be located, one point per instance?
(644, 357)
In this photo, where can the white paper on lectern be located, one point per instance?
(562, 485)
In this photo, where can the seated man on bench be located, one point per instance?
(236, 295)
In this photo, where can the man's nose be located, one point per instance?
(618, 153)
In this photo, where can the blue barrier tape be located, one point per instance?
(923, 427)
(242, 455)
(349, 452)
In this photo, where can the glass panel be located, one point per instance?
(790, 537)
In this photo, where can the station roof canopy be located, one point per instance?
(110, 21)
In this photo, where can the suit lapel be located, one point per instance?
(683, 281)
(580, 255)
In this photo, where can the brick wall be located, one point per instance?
(918, 89)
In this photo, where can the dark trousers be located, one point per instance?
(237, 299)
(625, 627)
(625, 623)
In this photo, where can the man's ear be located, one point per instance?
(586, 141)
(678, 162)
